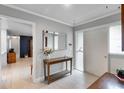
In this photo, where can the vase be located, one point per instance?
(48, 57)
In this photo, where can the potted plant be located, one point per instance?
(120, 73)
(47, 52)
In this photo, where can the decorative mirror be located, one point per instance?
(54, 40)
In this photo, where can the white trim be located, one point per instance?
(117, 54)
(94, 19)
(99, 26)
(37, 14)
(34, 52)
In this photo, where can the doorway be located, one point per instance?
(25, 46)
(79, 64)
(21, 69)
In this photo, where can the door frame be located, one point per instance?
(33, 24)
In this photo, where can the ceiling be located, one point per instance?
(69, 14)
(17, 28)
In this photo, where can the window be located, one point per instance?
(115, 42)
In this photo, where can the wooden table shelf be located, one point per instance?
(58, 75)
(49, 62)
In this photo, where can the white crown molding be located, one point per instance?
(49, 18)
(36, 14)
(94, 19)
(100, 26)
(17, 20)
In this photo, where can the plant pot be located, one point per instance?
(120, 74)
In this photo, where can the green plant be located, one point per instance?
(117, 70)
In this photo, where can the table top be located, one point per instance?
(59, 59)
(107, 81)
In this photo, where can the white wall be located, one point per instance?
(3, 53)
(41, 24)
(3, 60)
(115, 52)
(0, 53)
(116, 62)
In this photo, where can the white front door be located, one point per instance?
(79, 51)
(96, 51)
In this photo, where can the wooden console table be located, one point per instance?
(49, 62)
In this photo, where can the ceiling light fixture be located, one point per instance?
(67, 5)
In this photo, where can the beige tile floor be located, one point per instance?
(17, 76)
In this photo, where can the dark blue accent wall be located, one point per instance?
(24, 45)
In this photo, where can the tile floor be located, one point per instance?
(17, 76)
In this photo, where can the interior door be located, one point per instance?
(96, 51)
(79, 51)
(25, 46)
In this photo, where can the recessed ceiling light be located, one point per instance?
(67, 5)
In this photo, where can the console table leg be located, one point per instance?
(66, 66)
(44, 71)
(48, 72)
(71, 67)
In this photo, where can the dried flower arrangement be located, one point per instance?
(47, 51)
